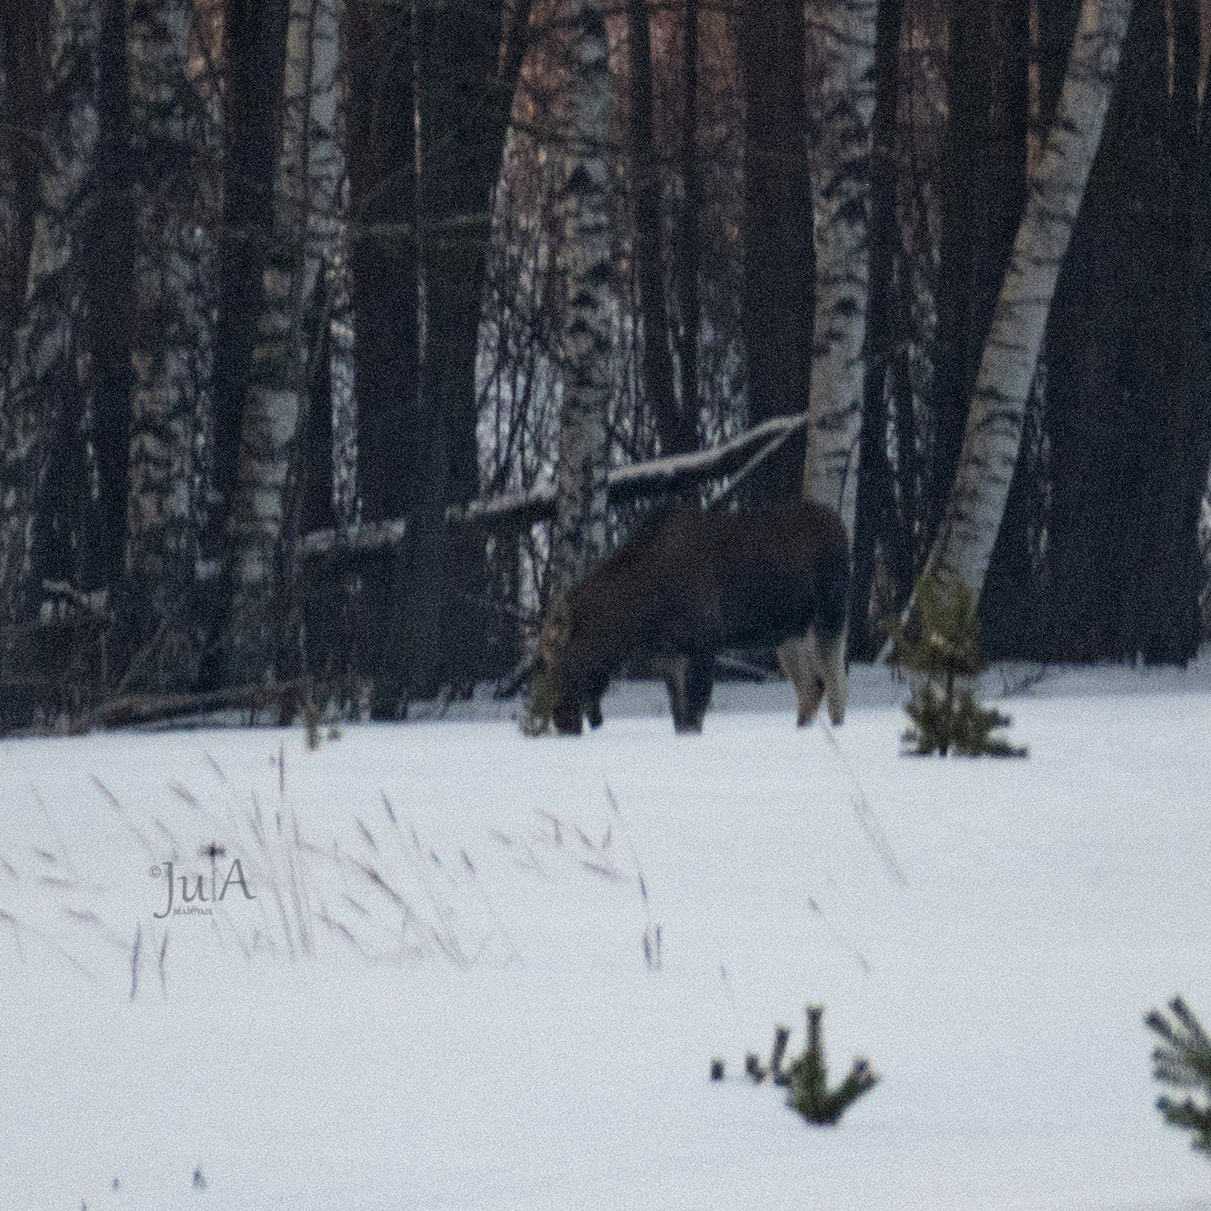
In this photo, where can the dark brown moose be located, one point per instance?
(691, 583)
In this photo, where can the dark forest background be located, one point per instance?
(161, 289)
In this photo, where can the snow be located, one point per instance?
(489, 1034)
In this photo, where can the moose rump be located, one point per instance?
(691, 583)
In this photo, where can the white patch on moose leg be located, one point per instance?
(801, 664)
(788, 661)
(836, 679)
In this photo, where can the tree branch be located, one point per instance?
(656, 477)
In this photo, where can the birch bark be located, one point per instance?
(846, 33)
(346, 497)
(172, 356)
(963, 547)
(580, 509)
(307, 229)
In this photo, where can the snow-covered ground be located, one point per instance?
(482, 971)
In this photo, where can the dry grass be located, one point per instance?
(377, 891)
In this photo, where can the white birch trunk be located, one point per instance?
(963, 547)
(307, 186)
(346, 501)
(845, 31)
(42, 368)
(172, 356)
(580, 504)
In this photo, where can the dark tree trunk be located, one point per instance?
(23, 26)
(1124, 422)
(255, 41)
(1188, 576)
(44, 381)
(1170, 626)
(104, 435)
(685, 435)
(468, 70)
(878, 528)
(659, 392)
(382, 160)
(986, 175)
(466, 60)
(382, 166)
(256, 35)
(778, 296)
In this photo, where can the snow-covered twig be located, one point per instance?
(633, 482)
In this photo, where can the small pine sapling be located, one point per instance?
(806, 1079)
(1183, 1061)
(944, 654)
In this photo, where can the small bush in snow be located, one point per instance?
(945, 656)
(1183, 1061)
(806, 1078)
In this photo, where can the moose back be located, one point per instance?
(691, 583)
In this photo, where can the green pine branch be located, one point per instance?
(1183, 1061)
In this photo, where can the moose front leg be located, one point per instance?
(676, 676)
(689, 680)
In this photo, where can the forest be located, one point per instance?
(337, 336)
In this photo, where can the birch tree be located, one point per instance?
(581, 485)
(846, 36)
(306, 238)
(580, 508)
(172, 355)
(963, 546)
(41, 376)
(346, 498)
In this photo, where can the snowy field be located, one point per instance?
(473, 977)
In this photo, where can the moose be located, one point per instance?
(693, 582)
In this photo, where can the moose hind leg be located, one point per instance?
(700, 678)
(799, 659)
(834, 674)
